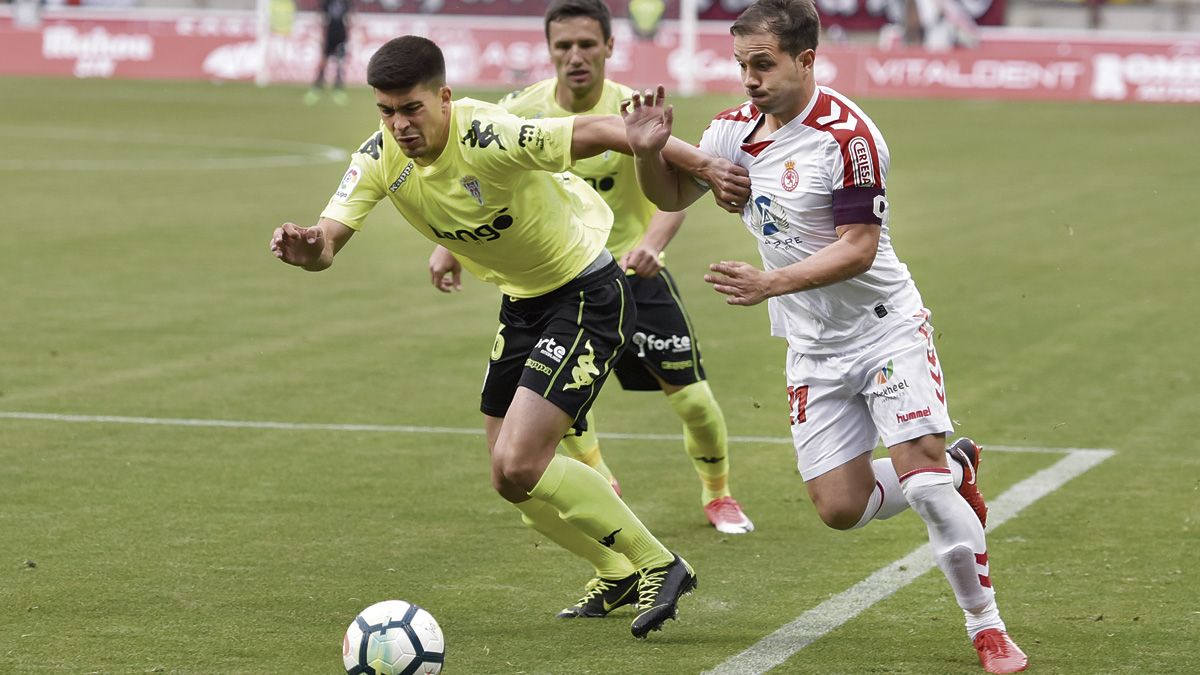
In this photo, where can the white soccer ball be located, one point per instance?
(393, 637)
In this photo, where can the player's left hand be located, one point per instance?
(730, 184)
(645, 261)
(744, 284)
(647, 121)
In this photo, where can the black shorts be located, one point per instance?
(335, 40)
(561, 345)
(663, 341)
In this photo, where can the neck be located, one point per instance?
(571, 103)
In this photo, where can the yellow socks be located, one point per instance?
(542, 517)
(586, 448)
(705, 437)
(587, 502)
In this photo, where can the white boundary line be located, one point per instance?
(784, 643)
(810, 626)
(399, 429)
(288, 153)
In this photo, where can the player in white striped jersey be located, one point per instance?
(861, 359)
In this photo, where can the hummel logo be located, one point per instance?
(711, 460)
(611, 538)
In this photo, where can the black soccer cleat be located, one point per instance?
(658, 595)
(603, 596)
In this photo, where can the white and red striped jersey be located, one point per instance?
(827, 167)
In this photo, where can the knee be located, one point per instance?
(513, 475)
(839, 515)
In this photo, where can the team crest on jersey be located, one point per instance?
(349, 182)
(769, 218)
(864, 166)
(790, 178)
(471, 183)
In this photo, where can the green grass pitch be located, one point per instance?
(1055, 244)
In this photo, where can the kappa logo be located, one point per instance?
(610, 538)
(585, 371)
(372, 146)
(481, 137)
(403, 177)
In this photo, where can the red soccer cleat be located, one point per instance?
(966, 452)
(998, 653)
(727, 516)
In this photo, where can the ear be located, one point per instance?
(445, 95)
(805, 59)
(608, 48)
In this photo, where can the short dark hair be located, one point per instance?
(404, 62)
(567, 9)
(794, 23)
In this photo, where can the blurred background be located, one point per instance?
(1125, 50)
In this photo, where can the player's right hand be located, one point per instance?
(445, 271)
(647, 121)
(296, 245)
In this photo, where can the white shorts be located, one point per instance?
(842, 405)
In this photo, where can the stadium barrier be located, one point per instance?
(507, 52)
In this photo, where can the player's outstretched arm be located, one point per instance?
(312, 248)
(445, 271)
(666, 165)
(852, 254)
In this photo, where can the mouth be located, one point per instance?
(578, 75)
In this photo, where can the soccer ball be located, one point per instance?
(393, 637)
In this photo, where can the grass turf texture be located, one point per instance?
(1049, 239)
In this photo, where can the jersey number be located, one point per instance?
(797, 403)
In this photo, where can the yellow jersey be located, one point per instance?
(611, 174)
(498, 197)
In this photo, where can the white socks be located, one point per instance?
(955, 536)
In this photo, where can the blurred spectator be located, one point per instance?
(337, 17)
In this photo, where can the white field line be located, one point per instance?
(784, 643)
(392, 428)
(284, 153)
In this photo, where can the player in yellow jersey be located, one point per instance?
(490, 187)
(664, 355)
